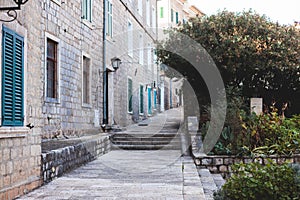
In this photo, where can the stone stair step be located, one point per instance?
(219, 180)
(145, 147)
(164, 142)
(144, 138)
(141, 135)
(208, 183)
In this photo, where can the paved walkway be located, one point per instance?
(120, 174)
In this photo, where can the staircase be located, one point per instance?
(162, 136)
(210, 182)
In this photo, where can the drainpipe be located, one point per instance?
(105, 83)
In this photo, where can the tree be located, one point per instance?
(251, 52)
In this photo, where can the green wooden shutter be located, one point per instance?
(130, 109)
(12, 79)
(141, 99)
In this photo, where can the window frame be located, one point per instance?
(148, 13)
(57, 98)
(86, 9)
(130, 38)
(86, 101)
(109, 18)
(141, 49)
(161, 12)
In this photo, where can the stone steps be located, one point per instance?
(210, 182)
(139, 141)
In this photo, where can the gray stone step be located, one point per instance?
(219, 180)
(208, 183)
(159, 142)
(145, 147)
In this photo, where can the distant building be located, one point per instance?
(170, 14)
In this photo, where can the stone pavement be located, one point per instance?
(122, 174)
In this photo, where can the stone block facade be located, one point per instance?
(133, 41)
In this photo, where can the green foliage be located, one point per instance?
(258, 135)
(261, 182)
(268, 134)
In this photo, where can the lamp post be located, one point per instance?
(11, 6)
(115, 63)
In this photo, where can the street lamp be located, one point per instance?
(11, 6)
(115, 63)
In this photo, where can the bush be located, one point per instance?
(261, 182)
(257, 135)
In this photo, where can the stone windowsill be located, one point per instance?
(13, 132)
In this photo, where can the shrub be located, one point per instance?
(254, 181)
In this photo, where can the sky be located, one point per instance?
(283, 12)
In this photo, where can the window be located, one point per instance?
(172, 15)
(148, 12)
(141, 99)
(109, 20)
(177, 17)
(161, 12)
(87, 10)
(12, 79)
(85, 80)
(141, 49)
(153, 25)
(140, 7)
(130, 39)
(149, 56)
(52, 76)
(129, 93)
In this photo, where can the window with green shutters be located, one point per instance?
(161, 12)
(177, 18)
(129, 93)
(109, 20)
(87, 10)
(172, 15)
(12, 78)
(141, 99)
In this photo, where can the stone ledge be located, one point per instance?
(221, 164)
(57, 162)
(13, 132)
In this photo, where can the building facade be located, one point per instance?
(57, 79)
(132, 89)
(170, 14)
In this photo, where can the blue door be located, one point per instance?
(149, 101)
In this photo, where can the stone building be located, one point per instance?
(55, 67)
(171, 13)
(132, 89)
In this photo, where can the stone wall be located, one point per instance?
(221, 164)
(57, 162)
(20, 148)
(19, 162)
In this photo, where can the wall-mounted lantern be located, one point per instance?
(10, 6)
(115, 63)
